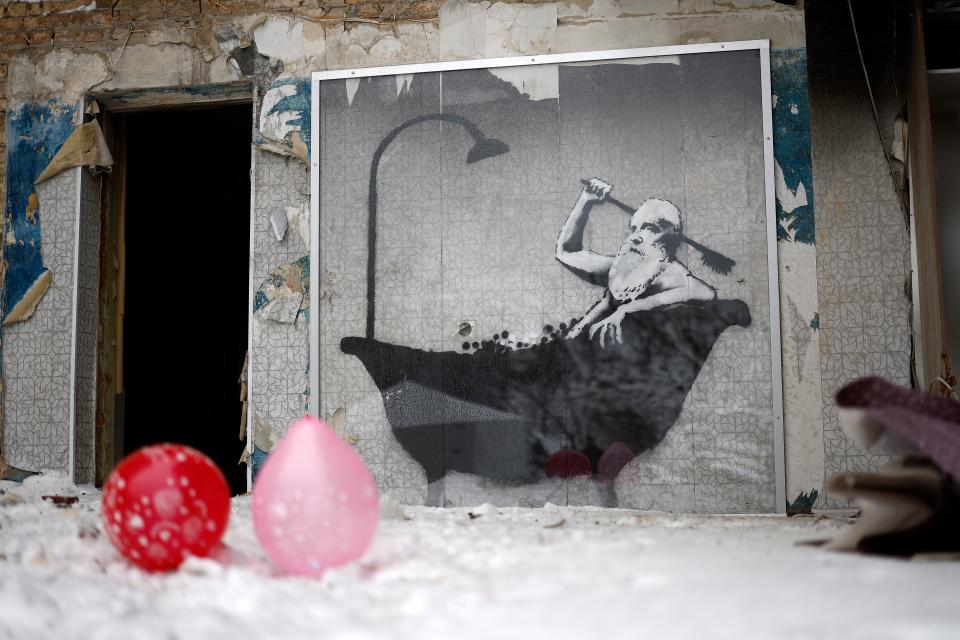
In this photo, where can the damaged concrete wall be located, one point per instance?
(58, 51)
(281, 270)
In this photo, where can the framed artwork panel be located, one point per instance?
(552, 279)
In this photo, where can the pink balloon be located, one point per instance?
(615, 458)
(315, 504)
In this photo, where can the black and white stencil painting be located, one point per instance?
(549, 283)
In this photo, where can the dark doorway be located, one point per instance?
(187, 237)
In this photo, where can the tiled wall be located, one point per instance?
(87, 305)
(863, 246)
(280, 349)
(36, 353)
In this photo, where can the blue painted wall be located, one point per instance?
(791, 138)
(35, 132)
(299, 103)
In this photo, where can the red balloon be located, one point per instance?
(164, 502)
(568, 463)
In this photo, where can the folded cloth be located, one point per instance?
(909, 507)
(912, 504)
(885, 418)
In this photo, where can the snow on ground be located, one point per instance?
(504, 573)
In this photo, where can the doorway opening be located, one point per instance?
(182, 322)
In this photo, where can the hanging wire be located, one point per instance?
(876, 118)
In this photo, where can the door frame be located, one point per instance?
(113, 106)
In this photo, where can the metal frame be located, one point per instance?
(773, 276)
(74, 312)
(251, 289)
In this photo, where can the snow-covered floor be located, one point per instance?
(503, 573)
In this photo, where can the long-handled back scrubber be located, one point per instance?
(711, 259)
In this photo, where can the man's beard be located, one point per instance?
(643, 248)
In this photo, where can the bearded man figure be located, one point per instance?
(645, 272)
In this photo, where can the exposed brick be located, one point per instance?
(80, 35)
(13, 40)
(3, 71)
(181, 8)
(92, 19)
(40, 38)
(18, 9)
(30, 23)
(70, 35)
(119, 34)
(138, 10)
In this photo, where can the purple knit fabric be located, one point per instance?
(931, 423)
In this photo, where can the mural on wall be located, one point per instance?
(503, 352)
(612, 380)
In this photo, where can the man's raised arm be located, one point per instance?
(589, 265)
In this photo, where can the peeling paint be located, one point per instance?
(523, 29)
(280, 38)
(462, 28)
(160, 65)
(788, 199)
(33, 205)
(797, 258)
(299, 218)
(258, 457)
(278, 220)
(541, 82)
(35, 132)
(27, 304)
(803, 504)
(285, 292)
(14, 474)
(299, 45)
(802, 388)
(403, 83)
(365, 45)
(606, 9)
(352, 85)
(791, 136)
(86, 147)
(477, 30)
(59, 74)
(285, 118)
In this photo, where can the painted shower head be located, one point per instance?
(485, 148)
